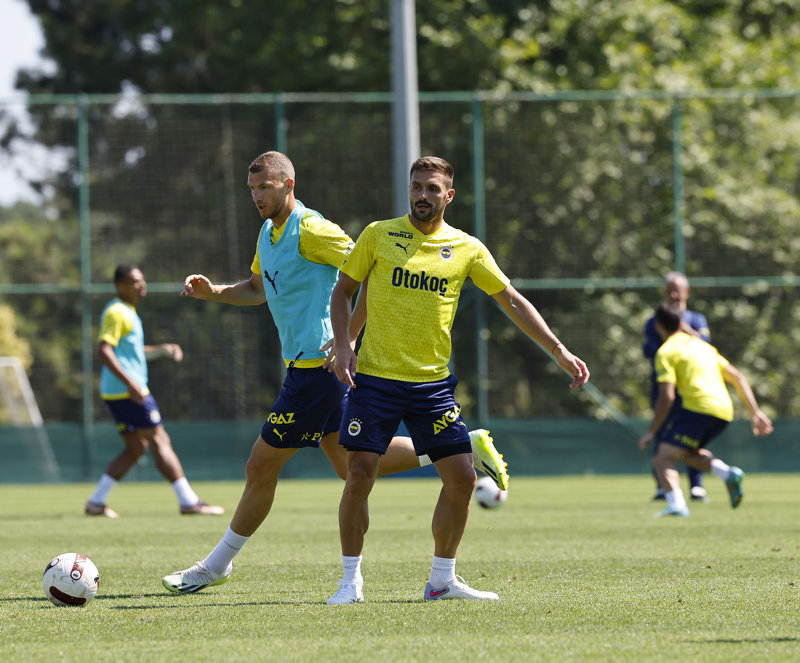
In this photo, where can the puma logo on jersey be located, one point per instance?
(271, 279)
(280, 435)
(405, 248)
(403, 278)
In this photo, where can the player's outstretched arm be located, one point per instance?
(172, 350)
(529, 320)
(760, 422)
(249, 292)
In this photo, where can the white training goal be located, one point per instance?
(18, 408)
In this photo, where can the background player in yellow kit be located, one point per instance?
(695, 369)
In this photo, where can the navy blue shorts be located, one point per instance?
(375, 408)
(309, 407)
(132, 416)
(690, 430)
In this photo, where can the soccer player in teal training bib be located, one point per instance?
(294, 270)
(417, 265)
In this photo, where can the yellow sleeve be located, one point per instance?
(255, 266)
(358, 264)
(664, 370)
(323, 242)
(115, 324)
(486, 274)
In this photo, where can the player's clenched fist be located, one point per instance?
(197, 286)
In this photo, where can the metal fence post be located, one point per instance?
(86, 284)
(677, 185)
(479, 193)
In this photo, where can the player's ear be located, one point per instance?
(290, 184)
(450, 195)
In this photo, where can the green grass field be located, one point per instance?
(583, 571)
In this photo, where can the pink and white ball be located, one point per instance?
(488, 495)
(71, 579)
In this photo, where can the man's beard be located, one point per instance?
(424, 214)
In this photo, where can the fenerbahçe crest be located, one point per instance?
(354, 427)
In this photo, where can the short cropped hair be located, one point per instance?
(436, 164)
(276, 164)
(668, 316)
(123, 271)
(678, 277)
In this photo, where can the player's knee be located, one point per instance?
(464, 483)
(361, 472)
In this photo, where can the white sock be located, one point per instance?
(424, 460)
(104, 486)
(676, 499)
(228, 547)
(721, 469)
(186, 496)
(351, 570)
(443, 571)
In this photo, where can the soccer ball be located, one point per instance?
(488, 495)
(70, 579)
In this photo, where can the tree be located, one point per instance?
(575, 189)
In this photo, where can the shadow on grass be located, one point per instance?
(229, 604)
(173, 597)
(741, 641)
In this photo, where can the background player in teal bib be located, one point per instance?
(298, 255)
(416, 265)
(123, 388)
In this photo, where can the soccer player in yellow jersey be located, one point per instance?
(417, 265)
(695, 369)
(297, 258)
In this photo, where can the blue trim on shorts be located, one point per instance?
(377, 406)
(132, 416)
(309, 406)
(690, 430)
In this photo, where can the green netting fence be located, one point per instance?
(586, 199)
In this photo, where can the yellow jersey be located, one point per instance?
(415, 281)
(695, 368)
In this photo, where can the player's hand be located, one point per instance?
(762, 425)
(197, 286)
(328, 363)
(344, 363)
(572, 365)
(328, 347)
(173, 350)
(136, 393)
(645, 440)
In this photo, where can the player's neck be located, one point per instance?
(427, 227)
(280, 219)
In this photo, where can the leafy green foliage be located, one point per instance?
(575, 189)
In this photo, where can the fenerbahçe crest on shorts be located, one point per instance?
(354, 427)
